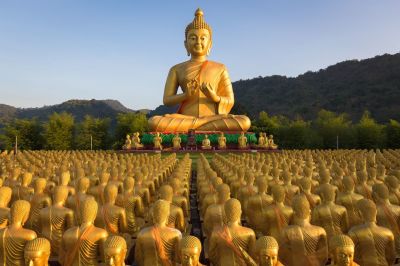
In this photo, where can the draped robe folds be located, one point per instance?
(12, 249)
(199, 112)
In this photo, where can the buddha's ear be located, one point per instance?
(209, 48)
(186, 47)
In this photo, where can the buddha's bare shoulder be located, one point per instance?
(247, 231)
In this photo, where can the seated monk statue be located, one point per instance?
(136, 141)
(261, 140)
(115, 250)
(176, 142)
(271, 143)
(277, 215)
(14, 237)
(394, 193)
(210, 197)
(232, 244)
(64, 182)
(348, 199)
(374, 245)
(23, 191)
(128, 143)
(180, 199)
(158, 244)
(74, 201)
(189, 251)
(266, 252)
(221, 141)
(341, 251)
(37, 252)
(242, 141)
(205, 143)
(84, 244)
(56, 219)
(207, 96)
(5, 197)
(39, 200)
(111, 217)
(98, 191)
(303, 243)
(157, 140)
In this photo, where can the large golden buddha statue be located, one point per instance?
(207, 96)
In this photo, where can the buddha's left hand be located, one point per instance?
(209, 92)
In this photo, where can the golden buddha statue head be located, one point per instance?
(223, 192)
(380, 192)
(368, 210)
(233, 210)
(166, 193)
(65, 178)
(278, 193)
(198, 29)
(348, 183)
(266, 251)
(39, 185)
(37, 252)
(262, 184)
(110, 193)
(250, 178)
(26, 179)
(5, 196)
(341, 249)
(60, 194)
(189, 250)
(19, 212)
(83, 184)
(88, 210)
(129, 183)
(161, 210)
(301, 207)
(104, 177)
(328, 193)
(305, 184)
(115, 250)
(392, 182)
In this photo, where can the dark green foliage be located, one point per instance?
(28, 132)
(59, 132)
(393, 134)
(96, 128)
(128, 123)
(370, 134)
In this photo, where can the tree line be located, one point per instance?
(328, 131)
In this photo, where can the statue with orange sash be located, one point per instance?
(232, 244)
(158, 244)
(207, 96)
(84, 244)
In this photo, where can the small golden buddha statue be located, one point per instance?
(157, 244)
(64, 181)
(328, 215)
(242, 141)
(37, 252)
(176, 218)
(74, 201)
(221, 141)
(388, 215)
(277, 215)
(23, 191)
(157, 140)
(14, 237)
(232, 244)
(305, 189)
(271, 143)
(341, 250)
(205, 143)
(362, 187)
(290, 190)
(111, 217)
(261, 140)
(256, 206)
(210, 197)
(369, 251)
(115, 250)
(214, 215)
(348, 198)
(207, 96)
(5, 197)
(189, 251)
(128, 143)
(266, 252)
(98, 191)
(38, 201)
(13, 179)
(136, 144)
(303, 243)
(84, 244)
(247, 191)
(56, 219)
(180, 198)
(394, 193)
(176, 142)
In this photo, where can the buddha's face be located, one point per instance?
(198, 42)
(36, 258)
(343, 256)
(268, 257)
(190, 256)
(114, 256)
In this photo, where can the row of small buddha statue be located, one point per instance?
(263, 142)
(344, 214)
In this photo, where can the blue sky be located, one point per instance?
(56, 50)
